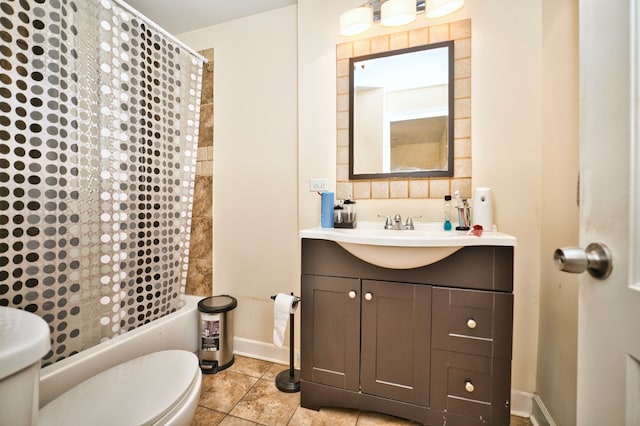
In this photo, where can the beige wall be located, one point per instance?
(255, 168)
(524, 149)
(557, 345)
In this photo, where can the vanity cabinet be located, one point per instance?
(430, 344)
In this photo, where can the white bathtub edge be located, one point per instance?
(169, 332)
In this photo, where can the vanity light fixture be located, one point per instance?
(392, 13)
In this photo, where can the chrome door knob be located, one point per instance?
(596, 260)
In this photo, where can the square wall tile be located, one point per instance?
(399, 40)
(460, 29)
(345, 189)
(361, 47)
(344, 50)
(380, 44)
(399, 188)
(439, 33)
(418, 189)
(419, 37)
(380, 189)
(362, 190)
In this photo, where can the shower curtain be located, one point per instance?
(99, 115)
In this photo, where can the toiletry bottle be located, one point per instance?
(447, 212)
(326, 209)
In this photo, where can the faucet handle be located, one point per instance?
(409, 223)
(387, 222)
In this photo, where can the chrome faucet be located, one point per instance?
(396, 224)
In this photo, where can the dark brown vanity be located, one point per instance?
(430, 344)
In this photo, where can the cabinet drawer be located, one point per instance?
(471, 385)
(472, 321)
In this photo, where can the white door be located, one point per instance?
(609, 309)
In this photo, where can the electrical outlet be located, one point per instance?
(318, 184)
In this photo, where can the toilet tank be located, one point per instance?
(24, 340)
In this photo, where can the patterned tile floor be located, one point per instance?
(245, 395)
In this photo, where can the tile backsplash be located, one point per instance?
(419, 188)
(200, 273)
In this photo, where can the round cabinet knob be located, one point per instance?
(352, 294)
(471, 323)
(468, 386)
(368, 296)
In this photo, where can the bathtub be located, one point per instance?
(178, 330)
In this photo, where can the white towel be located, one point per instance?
(285, 305)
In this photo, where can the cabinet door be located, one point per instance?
(396, 330)
(330, 331)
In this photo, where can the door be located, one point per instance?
(609, 309)
(396, 328)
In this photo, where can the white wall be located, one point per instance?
(255, 213)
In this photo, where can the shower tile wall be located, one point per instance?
(200, 273)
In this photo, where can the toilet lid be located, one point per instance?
(137, 392)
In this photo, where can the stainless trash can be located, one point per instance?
(216, 333)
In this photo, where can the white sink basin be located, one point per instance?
(404, 249)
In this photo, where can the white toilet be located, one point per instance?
(161, 388)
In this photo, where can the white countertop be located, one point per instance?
(430, 234)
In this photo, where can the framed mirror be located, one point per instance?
(401, 113)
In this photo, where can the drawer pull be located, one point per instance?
(368, 296)
(352, 294)
(471, 323)
(468, 386)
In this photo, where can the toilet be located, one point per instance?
(160, 388)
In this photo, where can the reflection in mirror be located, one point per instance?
(401, 113)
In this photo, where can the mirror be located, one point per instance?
(401, 113)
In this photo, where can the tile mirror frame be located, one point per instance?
(419, 188)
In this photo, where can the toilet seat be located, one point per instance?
(143, 391)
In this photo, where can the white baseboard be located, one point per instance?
(521, 403)
(540, 415)
(264, 351)
(530, 405)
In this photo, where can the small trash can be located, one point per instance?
(216, 333)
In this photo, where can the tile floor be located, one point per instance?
(245, 395)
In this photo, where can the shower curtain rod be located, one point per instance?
(173, 38)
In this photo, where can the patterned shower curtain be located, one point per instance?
(99, 114)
